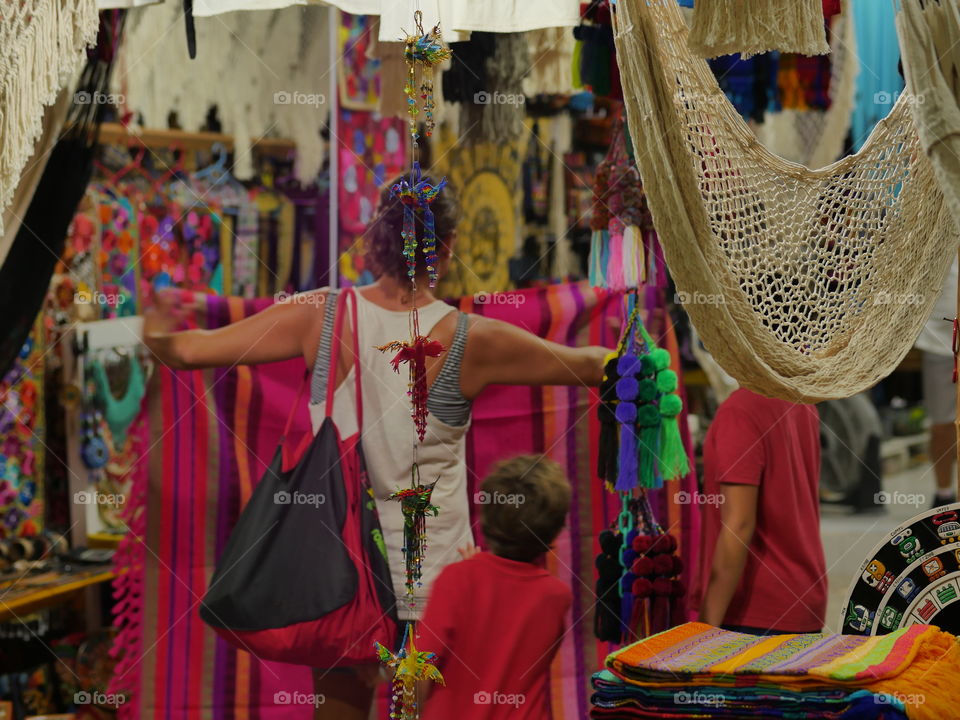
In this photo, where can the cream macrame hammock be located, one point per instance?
(804, 284)
(929, 33)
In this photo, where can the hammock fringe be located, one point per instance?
(753, 27)
(41, 46)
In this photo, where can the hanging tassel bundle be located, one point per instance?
(607, 625)
(656, 569)
(599, 249)
(672, 454)
(639, 589)
(607, 453)
(648, 420)
(663, 433)
(410, 667)
(627, 368)
(619, 219)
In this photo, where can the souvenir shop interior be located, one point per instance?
(688, 200)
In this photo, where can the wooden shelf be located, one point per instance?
(104, 540)
(21, 596)
(115, 133)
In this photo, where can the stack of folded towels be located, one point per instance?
(698, 671)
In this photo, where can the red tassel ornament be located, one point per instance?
(415, 353)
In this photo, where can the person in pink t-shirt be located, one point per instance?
(762, 566)
(496, 619)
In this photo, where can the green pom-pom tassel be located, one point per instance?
(649, 420)
(647, 365)
(673, 456)
(666, 381)
(661, 358)
(670, 406)
(648, 416)
(647, 391)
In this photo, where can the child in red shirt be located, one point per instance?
(496, 619)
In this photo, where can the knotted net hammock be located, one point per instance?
(929, 33)
(804, 284)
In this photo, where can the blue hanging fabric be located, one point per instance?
(879, 82)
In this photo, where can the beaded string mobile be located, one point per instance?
(423, 52)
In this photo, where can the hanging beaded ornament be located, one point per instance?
(417, 194)
(415, 352)
(422, 52)
(410, 666)
(415, 505)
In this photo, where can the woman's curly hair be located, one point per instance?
(383, 246)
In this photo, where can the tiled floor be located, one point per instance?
(848, 539)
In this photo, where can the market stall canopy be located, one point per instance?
(457, 18)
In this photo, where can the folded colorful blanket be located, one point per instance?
(920, 665)
(615, 698)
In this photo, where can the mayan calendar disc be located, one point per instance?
(912, 577)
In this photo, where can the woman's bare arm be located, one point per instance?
(738, 521)
(277, 333)
(500, 353)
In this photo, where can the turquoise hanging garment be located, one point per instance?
(119, 413)
(879, 82)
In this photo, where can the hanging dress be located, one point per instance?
(388, 435)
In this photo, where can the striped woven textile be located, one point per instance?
(213, 434)
(915, 670)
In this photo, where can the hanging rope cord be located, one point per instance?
(804, 284)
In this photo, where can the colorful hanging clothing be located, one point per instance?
(804, 82)
(21, 440)
(750, 85)
(373, 151)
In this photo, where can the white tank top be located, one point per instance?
(388, 438)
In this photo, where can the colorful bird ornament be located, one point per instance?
(410, 667)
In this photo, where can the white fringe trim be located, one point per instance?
(752, 27)
(41, 56)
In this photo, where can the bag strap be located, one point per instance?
(347, 295)
(295, 407)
